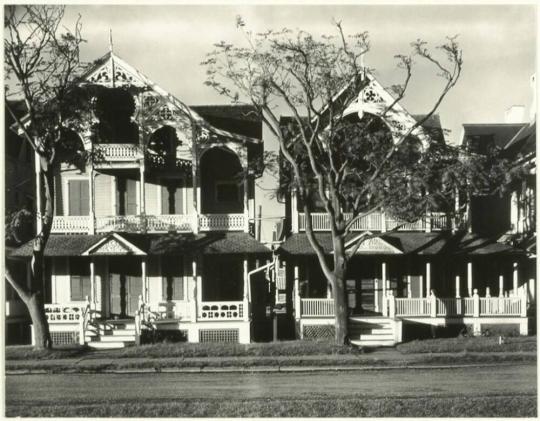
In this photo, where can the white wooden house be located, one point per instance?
(156, 234)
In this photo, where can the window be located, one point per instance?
(126, 196)
(227, 191)
(80, 287)
(79, 197)
(79, 270)
(172, 281)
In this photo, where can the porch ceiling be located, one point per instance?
(420, 243)
(154, 244)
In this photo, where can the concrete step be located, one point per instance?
(373, 343)
(115, 332)
(116, 338)
(106, 345)
(371, 330)
(389, 336)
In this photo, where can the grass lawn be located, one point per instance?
(446, 406)
(472, 344)
(189, 350)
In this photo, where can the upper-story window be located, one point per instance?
(222, 187)
(115, 108)
(126, 196)
(79, 197)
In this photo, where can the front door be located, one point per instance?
(124, 293)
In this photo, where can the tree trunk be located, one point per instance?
(42, 335)
(36, 300)
(340, 293)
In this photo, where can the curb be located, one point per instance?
(258, 369)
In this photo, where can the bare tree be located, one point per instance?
(42, 63)
(353, 165)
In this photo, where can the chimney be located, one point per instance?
(514, 114)
(532, 111)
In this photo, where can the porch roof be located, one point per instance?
(420, 243)
(154, 244)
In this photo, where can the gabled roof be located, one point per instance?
(524, 141)
(235, 118)
(111, 70)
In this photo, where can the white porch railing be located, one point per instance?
(375, 222)
(222, 222)
(71, 224)
(413, 307)
(118, 151)
(317, 307)
(64, 313)
(221, 310)
(160, 223)
(457, 307)
(501, 306)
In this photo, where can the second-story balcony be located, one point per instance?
(378, 221)
(108, 153)
(149, 223)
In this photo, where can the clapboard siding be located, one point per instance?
(151, 202)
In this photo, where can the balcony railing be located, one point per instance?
(148, 223)
(71, 224)
(221, 310)
(376, 221)
(117, 152)
(222, 222)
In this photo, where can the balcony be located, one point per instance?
(148, 223)
(107, 153)
(377, 221)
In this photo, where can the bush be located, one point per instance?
(509, 330)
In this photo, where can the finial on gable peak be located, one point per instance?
(110, 41)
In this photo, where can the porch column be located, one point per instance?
(421, 287)
(92, 282)
(142, 201)
(428, 277)
(297, 310)
(294, 212)
(383, 270)
(457, 287)
(92, 213)
(376, 291)
(246, 204)
(195, 295)
(144, 280)
(515, 278)
(246, 289)
(409, 292)
(38, 191)
(195, 184)
(501, 286)
(469, 279)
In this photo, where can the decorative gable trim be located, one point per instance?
(374, 99)
(372, 244)
(113, 244)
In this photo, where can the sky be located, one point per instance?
(167, 43)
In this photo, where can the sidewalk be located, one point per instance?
(376, 360)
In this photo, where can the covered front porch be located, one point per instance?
(479, 286)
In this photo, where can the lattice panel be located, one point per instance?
(65, 338)
(218, 335)
(315, 332)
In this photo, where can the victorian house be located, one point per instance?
(169, 229)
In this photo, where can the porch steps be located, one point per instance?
(371, 331)
(110, 334)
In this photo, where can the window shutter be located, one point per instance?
(178, 288)
(85, 287)
(164, 284)
(76, 290)
(78, 197)
(164, 201)
(131, 197)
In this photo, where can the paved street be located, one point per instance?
(480, 381)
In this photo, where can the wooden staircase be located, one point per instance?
(110, 334)
(372, 331)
